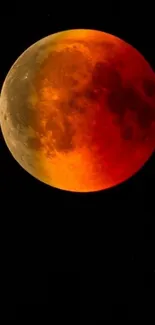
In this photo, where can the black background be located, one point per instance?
(71, 255)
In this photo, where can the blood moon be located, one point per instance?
(78, 110)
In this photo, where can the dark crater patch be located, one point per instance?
(107, 46)
(145, 115)
(149, 87)
(79, 101)
(76, 104)
(127, 133)
(106, 76)
(116, 103)
(34, 143)
(28, 117)
(75, 107)
(93, 94)
(128, 99)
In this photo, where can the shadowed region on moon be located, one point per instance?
(128, 99)
(78, 110)
(105, 76)
(149, 87)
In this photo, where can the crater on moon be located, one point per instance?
(149, 87)
(106, 76)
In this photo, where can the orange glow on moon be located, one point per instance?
(78, 110)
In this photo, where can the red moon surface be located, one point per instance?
(78, 110)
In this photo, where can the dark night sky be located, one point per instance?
(94, 251)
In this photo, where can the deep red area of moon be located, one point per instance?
(125, 149)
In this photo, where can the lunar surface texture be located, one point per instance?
(77, 110)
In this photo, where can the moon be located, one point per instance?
(77, 110)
